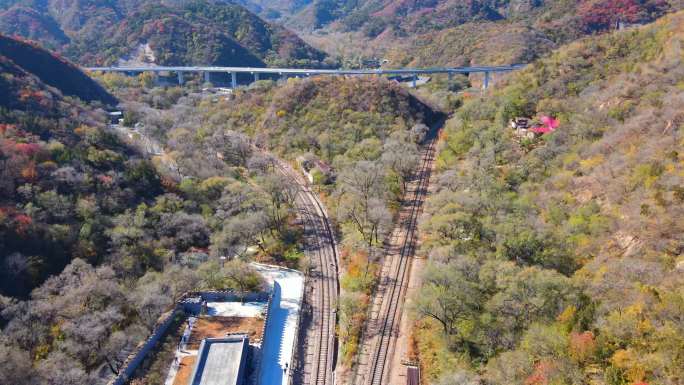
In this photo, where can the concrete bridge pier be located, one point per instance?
(451, 79)
(207, 77)
(404, 74)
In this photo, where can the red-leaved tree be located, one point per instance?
(582, 345)
(604, 14)
(543, 373)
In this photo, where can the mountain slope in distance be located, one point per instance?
(21, 59)
(456, 32)
(178, 32)
(583, 221)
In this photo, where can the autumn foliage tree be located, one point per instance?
(605, 14)
(577, 271)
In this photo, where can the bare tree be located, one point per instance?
(232, 147)
(402, 157)
(243, 277)
(184, 230)
(449, 295)
(89, 334)
(238, 234)
(119, 346)
(152, 297)
(236, 198)
(60, 369)
(362, 192)
(282, 193)
(15, 366)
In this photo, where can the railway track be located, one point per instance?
(320, 341)
(380, 333)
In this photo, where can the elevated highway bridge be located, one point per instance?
(256, 71)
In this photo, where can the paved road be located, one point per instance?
(310, 71)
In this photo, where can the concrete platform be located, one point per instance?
(221, 361)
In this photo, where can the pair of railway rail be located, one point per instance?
(322, 246)
(389, 316)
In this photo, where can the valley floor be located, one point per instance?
(278, 339)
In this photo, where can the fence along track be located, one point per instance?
(390, 317)
(323, 245)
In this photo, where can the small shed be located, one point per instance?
(520, 123)
(115, 117)
(412, 375)
(311, 164)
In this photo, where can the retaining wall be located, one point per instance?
(295, 364)
(136, 358)
(231, 296)
(192, 302)
(276, 286)
(189, 303)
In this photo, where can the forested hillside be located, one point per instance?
(25, 59)
(277, 10)
(554, 253)
(421, 16)
(558, 257)
(357, 137)
(520, 31)
(165, 33)
(326, 117)
(95, 243)
(456, 33)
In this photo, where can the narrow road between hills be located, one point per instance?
(381, 334)
(316, 349)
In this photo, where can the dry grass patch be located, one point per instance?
(212, 327)
(185, 368)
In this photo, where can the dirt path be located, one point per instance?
(397, 373)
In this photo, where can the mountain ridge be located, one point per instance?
(205, 32)
(561, 250)
(436, 32)
(24, 59)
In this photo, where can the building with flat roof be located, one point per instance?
(221, 361)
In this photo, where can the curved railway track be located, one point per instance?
(319, 340)
(381, 331)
